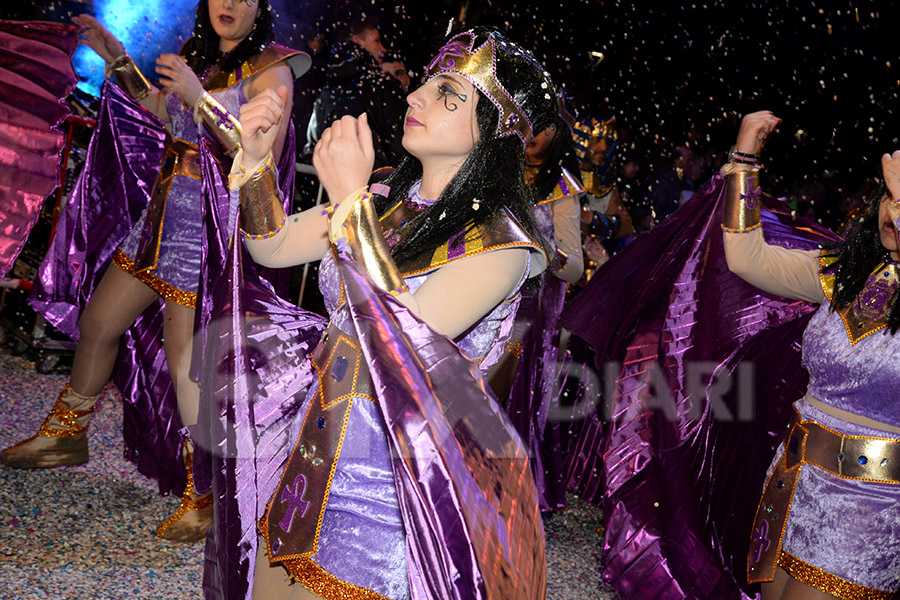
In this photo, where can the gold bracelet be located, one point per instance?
(742, 193)
(262, 210)
(129, 77)
(223, 125)
(369, 248)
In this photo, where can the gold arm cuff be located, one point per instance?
(219, 121)
(129, 77)
(367, 244)
(742, 193)
(262, 211)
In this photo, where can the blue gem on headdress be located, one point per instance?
(512, 120)
(863, 460)
(339, 370)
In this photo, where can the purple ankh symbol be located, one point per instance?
(750, 197)
(295, 497)
(223, 118)
(761, 535)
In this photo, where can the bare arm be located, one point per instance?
(272, 78)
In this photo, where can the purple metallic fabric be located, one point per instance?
(677, 451)
(36, 74)
(254, 375)
(114, 186)
(464, 483)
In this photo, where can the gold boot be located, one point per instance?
(62, 438)
(194, 517)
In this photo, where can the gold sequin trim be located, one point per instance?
(830, 584)
(321, 582)
(514, 348)
(732, 230)
(166, 290)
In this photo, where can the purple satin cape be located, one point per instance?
(254, 374)
(466, 492)
(677, 473)
(535, 390)
(36, 74)
(122, 162)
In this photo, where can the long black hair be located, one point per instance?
(560, 154)
(494, 171)
(857, 257)
(201, 51)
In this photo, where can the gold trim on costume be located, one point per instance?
(129, 77)
(262, 211)
(861, 318)
(166, 290)
(742, 194)
(319, 581)
(221, 123)
(822, 580)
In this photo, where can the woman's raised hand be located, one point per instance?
(260, 118)
(345, 156)
(890, 166)
(176, 76)
(98, 38)
(755, 128)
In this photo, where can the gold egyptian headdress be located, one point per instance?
(479, 66)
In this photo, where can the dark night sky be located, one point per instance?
(829, 69)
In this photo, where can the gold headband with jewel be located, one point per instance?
(480, 68)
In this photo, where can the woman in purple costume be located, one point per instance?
(527, 376)
(228, 60)
(406, 480)
(828, 523)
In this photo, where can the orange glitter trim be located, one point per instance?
(822, 580)
(166, 290)
(321, 582)
(732, 230)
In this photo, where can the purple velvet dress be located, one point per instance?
(176, 274)
(848, 528)
(362, 503)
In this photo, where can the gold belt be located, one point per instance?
(848, 456)
(856, 457)
(181, 158)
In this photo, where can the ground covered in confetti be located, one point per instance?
(86, 532)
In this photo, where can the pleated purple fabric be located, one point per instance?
(465, 487)
(701, 370)
(536, 387)
(252, 348)
(122, 162)
(35, 75)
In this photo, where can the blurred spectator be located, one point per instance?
(354, 84)
(393, 65)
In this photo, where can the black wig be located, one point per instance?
(494, 171)
(560, 154)
(860, 254)
(201, 51)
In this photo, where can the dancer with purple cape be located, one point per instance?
(701, 370)
(406, 479)
(138, 206)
